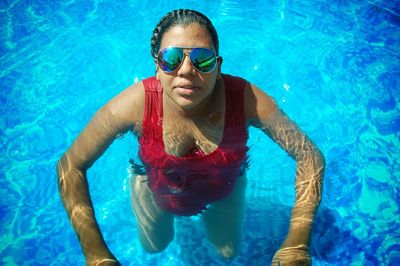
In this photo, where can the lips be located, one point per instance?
(186, 89)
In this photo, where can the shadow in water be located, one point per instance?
(265, 230)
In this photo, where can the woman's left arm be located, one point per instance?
(262, 112)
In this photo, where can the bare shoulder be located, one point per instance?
(122, 113)
(259, 106)
(128, 106)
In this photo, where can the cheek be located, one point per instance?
(210, 83)
(212, 79)
(165, 80)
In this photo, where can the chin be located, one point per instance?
(186, 103)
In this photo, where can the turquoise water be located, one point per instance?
(333, 67)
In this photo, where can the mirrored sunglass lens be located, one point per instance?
(203, 59)
(170, 59)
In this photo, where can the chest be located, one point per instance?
(182, 136)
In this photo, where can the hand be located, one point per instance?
(292, 256)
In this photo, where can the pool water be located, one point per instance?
(333, 67)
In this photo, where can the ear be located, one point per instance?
(219, 62)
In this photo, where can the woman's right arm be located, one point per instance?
(119, 115)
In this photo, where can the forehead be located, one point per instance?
(192, 35)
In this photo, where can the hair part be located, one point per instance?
(181, 17)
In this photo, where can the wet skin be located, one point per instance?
(194, 107)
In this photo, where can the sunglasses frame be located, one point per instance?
(187, 53)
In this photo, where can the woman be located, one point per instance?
(191, 121)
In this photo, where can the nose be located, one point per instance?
(186, 67)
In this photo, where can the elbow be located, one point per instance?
(317, 164)
(312, 154)
(313, 162)
(69, 175)
(60, 176)
(65, 172)
(321, 160)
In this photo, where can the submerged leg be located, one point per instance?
(155, 226)
(224, 220)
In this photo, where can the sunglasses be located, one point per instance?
(171, 58)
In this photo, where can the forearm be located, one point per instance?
(75, 196)
(309, 175)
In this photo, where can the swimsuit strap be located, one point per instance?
(235, 116)
(152, 110)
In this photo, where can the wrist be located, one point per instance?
(97, 252)
(101, 260)
(297, 236)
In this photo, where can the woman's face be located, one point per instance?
(187, 87)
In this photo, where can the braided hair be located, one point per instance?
(181, 17)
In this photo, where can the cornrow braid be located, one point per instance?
(181, 17)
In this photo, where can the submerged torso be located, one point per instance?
(193, 162)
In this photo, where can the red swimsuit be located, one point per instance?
(186, 185)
